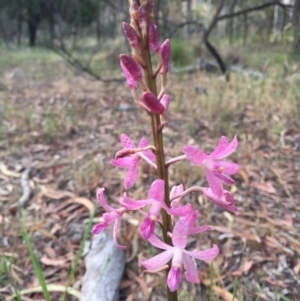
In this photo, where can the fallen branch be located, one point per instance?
(26, 188)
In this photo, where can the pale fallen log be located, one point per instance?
(104, 269)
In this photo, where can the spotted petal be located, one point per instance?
(132, 173)
(157, 261)
(101, 200)
(194, 154)
(126, 141)
(214, 183)
(231, 147)
(191, 273)
(180, 234)
(157, 190)
(206, 255)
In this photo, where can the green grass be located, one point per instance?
(36, 265)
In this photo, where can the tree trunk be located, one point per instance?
(276, 23)
(19, 31)
(32, 31)
(188, 18)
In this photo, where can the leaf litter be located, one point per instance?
(67, 129)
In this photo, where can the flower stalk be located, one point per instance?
(163, 206)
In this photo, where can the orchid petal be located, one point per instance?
(231, 147)
(122, 162)
(176, 190)
(99, 227)
(132, 173)
(157, 190)
(200, 229)
(147, 227)
(226, 201)
(178, 211)
(148, 153)
(191, 272)
(221, 147)
(205, 255)
(180, 234)
(126, 141)
(224, 178)
(110, 217)
(101, 200)
(115, 233)
(229, 168)
(156, 242)
(214, 183)
(174, 278)
(157, 261)
(194, 154)
(130, 204)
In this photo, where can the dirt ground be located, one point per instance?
(62, 130)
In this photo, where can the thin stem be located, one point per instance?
(176, 159)
(162, 170)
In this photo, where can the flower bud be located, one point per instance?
(152, 102)
(131, 36)
(165, 50)
(132, 67)
(131, 83)
(153, 38)
(165, 101)
(142, 20)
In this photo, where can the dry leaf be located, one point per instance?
(53, 262)
(221, 292)
(4, 170)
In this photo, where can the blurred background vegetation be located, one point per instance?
(87, 33)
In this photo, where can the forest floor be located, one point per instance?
(63, 128)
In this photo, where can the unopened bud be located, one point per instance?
(152, 102)
(132, 67)
(131, 83)
(133, 9)
(125, 152)
(165, 50)
(131, 36)
(165, 101)
(142, 19)
(153, 38)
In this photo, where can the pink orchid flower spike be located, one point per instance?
(131, 162)
(217, 171)
(156, 201)
(113, 217)
(179, 255)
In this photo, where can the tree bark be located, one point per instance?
(32, 32)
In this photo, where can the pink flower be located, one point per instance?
(165, 101)
(165, 50)
(131, 162)
(156, 200)
(113, 217)
(131, 66)
(217, 171)
(153, 38)
(179, 257)
(191, 219)
(131, 36)
(176, 190)
(226, 201)
(131, 83)
(152, 102)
